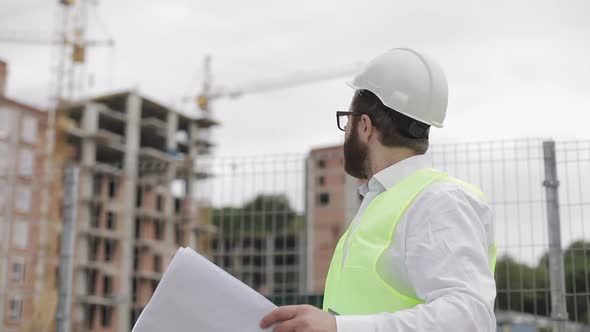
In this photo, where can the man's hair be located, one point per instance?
(393, 127)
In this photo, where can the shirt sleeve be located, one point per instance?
(447, 263)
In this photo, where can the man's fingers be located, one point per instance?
(279, 315)
(288, 326)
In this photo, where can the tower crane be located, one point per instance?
(208, 93)
(68, 79)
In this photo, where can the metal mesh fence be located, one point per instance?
(257, 210)
(511, 173)
(573, 164)
(274, 221)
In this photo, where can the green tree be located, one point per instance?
(521, 287)
(263, 214)
(526, 288)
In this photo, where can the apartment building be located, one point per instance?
(22, 137)
(332, 203)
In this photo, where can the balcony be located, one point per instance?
(154, 126)
(105, 267)
(206, 122)
(107, 137)
(110, 114)
(102, 233)
(148, 275)
(101, 168)
(97, 300)
(153, 154)
(149, 213)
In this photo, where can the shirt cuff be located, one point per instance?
(355, 323)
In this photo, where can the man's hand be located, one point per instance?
(300, 318)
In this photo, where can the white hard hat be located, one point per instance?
(407, 82)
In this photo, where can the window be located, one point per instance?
(97, 184)
(159, 230)
(291, 277)
(4, 162)
(94, 244)
(137, 228)
(323, 199)
(177, 205)
(23, 198)
(258, 279)
(259, 260)
(291, 259)
(97, 211)
(90, 310)
(18, 270)
(322, 180)
(21, 234)
(159, 202)
(109, 250)
(6, 117)
(135, 258)
(279, 242)
(321, 163)
(138, 197)
(26, 162)
(29, 129)
(178, 234)
(107, 282)
(106, 316)
(91, 282)
(259, 244)
(111, 221)
(154, 285)
(157, 263)
(226, 261)
(246, 260)
(134, 316)
(291, 242)
(15, 309)
(134, 290)
(112, 188)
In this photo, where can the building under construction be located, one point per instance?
(136, 201)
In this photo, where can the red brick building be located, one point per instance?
(22, 146)
(332, 203)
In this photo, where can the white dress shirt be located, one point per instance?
(439, 255)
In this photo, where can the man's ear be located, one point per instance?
(366, 127)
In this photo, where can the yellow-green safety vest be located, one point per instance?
(354, 287)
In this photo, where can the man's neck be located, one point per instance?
(385, 157)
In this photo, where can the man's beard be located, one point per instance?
(355, 156)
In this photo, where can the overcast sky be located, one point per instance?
(515, 68)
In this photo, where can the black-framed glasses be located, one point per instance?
(342, 118)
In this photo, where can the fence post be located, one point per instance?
(67, 248)
(556, 268)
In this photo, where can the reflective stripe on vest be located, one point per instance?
(353, 286)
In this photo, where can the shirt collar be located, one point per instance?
(393, 174)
